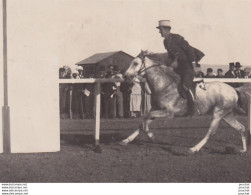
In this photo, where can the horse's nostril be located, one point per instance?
(127, 78)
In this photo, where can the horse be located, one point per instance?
(163, 82)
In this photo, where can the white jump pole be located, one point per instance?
(97, 116)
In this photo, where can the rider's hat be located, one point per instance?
(164, 23)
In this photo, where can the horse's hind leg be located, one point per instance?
(230, 119)
(218, 115)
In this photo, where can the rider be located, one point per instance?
(184, 58)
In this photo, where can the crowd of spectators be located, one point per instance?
(118, 99)
(235, 71)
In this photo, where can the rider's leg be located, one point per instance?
(188, 75)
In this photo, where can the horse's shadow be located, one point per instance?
(172, 149)
(87, 141)
(80, 140)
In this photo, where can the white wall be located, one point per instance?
(33, 80)
(1, 103)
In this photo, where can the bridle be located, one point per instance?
(143, 67)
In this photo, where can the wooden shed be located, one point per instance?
(100, 61)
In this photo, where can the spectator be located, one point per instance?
(247, 73)
(77, 101)
(198, 72)
(231, 74)
(108, 99)
(75, 74)
(219, 73)
(102, 73)
(126, 89)
(210, 73)
(68, 72)
(238, 72)
(147, 99)
(118, 103)
(136, 98)
(61, 73)
(65, 94)
(110, 71)
(80, 72)
(88, 100)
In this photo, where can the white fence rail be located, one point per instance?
(98, 82)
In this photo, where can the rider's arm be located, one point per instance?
(187, 49)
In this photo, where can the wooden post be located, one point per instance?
(81, 104)
(5, 108)
(97, 116)
(70, 107)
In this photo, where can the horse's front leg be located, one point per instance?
(143, 126)
(150, 117)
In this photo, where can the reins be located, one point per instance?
(143, 65)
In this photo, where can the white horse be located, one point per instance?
(163, 82)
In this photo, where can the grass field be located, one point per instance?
(165, 160)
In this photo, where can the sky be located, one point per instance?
(64, 32)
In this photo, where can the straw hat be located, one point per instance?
(164, 23)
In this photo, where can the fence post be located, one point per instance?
(70, 107)
(97, 116)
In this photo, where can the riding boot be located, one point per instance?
(190, 103)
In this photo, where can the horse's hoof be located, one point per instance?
(123, 143)
(243, 151)
(97, 149)
(191, 151)
(151, 136)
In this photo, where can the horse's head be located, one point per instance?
(144, 61)
(137, 66)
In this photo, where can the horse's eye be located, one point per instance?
(135, 63)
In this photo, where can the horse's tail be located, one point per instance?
(242, 102)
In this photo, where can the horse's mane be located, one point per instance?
(164, 62)
(160, 58)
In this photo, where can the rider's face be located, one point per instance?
(164, 31)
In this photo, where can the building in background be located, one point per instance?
(100, 61)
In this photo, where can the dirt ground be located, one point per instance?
(165, 160)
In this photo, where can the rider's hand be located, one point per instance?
(174, 64)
